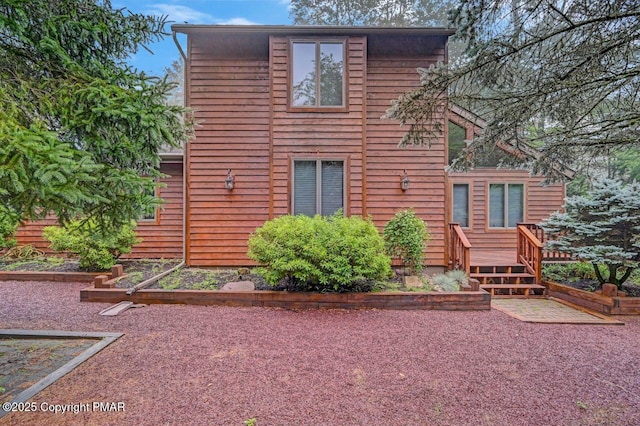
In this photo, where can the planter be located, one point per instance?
(448, 301)
(596, 302)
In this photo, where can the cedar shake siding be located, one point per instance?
(239, 85)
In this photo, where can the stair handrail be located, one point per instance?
(547, 255)
(530, 251)
(459, 249)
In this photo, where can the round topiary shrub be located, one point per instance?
(328, 254)
(406, 236)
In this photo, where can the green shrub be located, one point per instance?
(8, 227)
(406, 236)
(569, 272)
(320, 253)
(97, 248)
(451, 280)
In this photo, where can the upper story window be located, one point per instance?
(317, 74)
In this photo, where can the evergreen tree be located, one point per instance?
(602, 228)
(80, 130)
(558, 81)
(399, 13)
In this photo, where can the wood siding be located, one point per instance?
(391, 72)
(317, 135)
(240, 98)
(162, 238)
(540, 202)
(229, 92)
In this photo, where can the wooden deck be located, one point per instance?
(493, 257)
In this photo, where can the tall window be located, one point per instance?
(317, 74)
(318, 187)
(461, 204)
(506, 205)
(457, 137)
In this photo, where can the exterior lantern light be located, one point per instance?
(404, 181)
(230, 181)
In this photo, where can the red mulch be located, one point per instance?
(221, 366)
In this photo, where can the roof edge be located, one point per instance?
(316, 29)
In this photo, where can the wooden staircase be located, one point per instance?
(510, 280)
(502, 273)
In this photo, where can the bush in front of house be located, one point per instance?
(97, 247)
(406, 236)
(8, 227)
(327, 254)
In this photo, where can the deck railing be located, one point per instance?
(530, 251)
(547, 255)
(459, 249)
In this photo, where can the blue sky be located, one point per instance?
(236, 12)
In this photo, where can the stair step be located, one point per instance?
(501, 274)
(511, 287)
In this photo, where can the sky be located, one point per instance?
(222, 12)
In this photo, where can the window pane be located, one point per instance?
(304, 191)
(331, 71)
(457, 142)
(515, 199)
(461, 204)
(332, 187)
(496, 205)
(304, 74)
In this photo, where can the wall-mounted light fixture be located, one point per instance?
(230, 181)
(404, 181)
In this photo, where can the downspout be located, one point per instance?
(150, 281)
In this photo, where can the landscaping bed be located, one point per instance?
(202, 286)
(576, 283)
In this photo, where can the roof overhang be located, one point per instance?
(315, 30)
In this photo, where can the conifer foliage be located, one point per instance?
(80, 130)
(602, 227)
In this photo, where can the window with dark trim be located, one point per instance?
(461, 204)
(506, 205)
(317, 74)
(318, 187)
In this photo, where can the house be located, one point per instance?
(290, 123)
